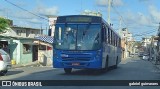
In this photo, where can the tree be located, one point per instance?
(4, 24)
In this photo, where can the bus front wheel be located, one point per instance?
(106, 65)
(68, 70)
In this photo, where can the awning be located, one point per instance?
(48, 39)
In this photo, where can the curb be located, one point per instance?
(25, 65)
(156, 65)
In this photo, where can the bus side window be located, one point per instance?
(115, 40)
(119, 42)
(111, 38)
(104, 33)
(108, 35)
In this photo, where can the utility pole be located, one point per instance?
(41, 30)
(120, 25)
(109, 9)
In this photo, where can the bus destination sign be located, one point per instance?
(78, 19)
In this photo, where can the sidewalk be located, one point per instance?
(32, 64)
(124, 60)
(156, 65)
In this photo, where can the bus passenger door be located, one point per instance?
(104, 45)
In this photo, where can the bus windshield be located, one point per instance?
(77, 36)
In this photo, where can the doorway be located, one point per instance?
(35, 53)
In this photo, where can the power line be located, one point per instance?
(118, 14)
(145, 33)
(25, 10)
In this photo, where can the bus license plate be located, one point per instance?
(75, 64)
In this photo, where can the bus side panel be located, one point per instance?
(112, 56)
(105, 52)
(119, 51)
(112, 53)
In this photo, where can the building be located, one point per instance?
(146, 41)
(52, 21)
(24, 32)
(22, 50)
(21, 44)
(155, 47)
(127, 42)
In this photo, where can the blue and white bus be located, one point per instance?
(82, 41)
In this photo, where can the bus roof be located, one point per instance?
(79, 19)
(83, 19)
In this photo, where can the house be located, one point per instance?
(22, 50)
(127, 41)
(19, 43)
(24, 32)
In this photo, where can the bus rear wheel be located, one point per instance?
(68, 70)
(116, 65)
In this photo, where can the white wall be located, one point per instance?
(16, 53)
(52, 25)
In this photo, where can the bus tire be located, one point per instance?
(106, 65)
(116, 65)
(68, 70)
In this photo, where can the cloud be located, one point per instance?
(48, 11)
(43, 10)
(137, 19)
(24, 18)
(35, 20)
(144, 0)
(22, 15)
(105, 2)
(155, 13)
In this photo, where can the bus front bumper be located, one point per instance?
(95, 64)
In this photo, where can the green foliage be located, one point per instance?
(138, 44)
(4, 24)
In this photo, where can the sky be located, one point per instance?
(141, 17)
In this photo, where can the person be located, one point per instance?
(5, 48)
(158, 58)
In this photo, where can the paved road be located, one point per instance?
(130, 69)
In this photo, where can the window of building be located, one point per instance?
(42, 47)
(26, 48)
(19, 32)
(55, 21)
(32, 32)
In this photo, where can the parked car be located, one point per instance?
(145, 57)
(5, 62)
(131, 55)
(140, 54)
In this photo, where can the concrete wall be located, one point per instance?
(26, 32)
(15, 50)
(26, 57)
(45, 57)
